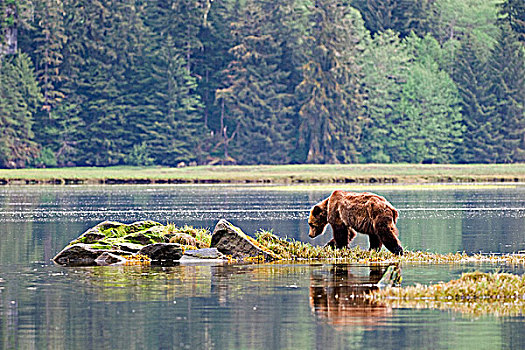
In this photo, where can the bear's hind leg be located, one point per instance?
(375, 242)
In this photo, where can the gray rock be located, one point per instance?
(230, 240)
(78, 255)
(108, 258)
(81, 254)
(391, 277)
(204, 256)
(205, 253)
(168, 252)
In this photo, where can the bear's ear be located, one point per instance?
(396, 214)
(317, 210)
(320, 208)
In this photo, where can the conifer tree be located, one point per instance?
(177, 128)
(428, 123)
(255, 94)
(512, 12)
(471, 77)
(48, 45)
(19, 100)
(386, 64)
(108, 85)
(401, 16)
(329, 94)
(507, 80)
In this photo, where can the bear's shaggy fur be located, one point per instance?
(351, 212)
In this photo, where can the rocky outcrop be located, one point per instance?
(231, 241)
(114, 243)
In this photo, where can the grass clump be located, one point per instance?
(471, 285)
(295, 250)
(502, 294)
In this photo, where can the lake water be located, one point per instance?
(268, 306)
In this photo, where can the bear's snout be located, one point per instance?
(315, 231)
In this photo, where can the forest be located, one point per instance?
(187, 82)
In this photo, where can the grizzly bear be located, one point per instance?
(351, 212)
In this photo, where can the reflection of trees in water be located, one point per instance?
(338, 298)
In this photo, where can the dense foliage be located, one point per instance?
(166, 82)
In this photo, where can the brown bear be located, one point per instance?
(351, 212)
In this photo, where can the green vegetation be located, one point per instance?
(356, 173)
(114, 235)
(164, 82)
(501, 294)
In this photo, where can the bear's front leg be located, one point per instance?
(375, 242)
(341, 236)
(331, 243)
(392, 243)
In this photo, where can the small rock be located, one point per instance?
(78, 255)
(205, 253)
(108, 258)
(391, 277)
(162, 251)
(230, 240)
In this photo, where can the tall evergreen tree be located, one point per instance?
(512, 12)
(507, 80)
(329, 93)
(402, 16)
(108, 70)
(49, 40)
(386, 63)
(19, 100)
(429, 125)
(471, 77)
(217, 39)
(178, 126)
(255, 95)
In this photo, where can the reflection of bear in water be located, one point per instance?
(351, 212)
(339, 298)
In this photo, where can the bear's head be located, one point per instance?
(318, 219)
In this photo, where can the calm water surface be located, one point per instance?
(289, 306)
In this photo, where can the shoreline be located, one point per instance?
(391, 174)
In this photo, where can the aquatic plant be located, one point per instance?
(474, 292)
